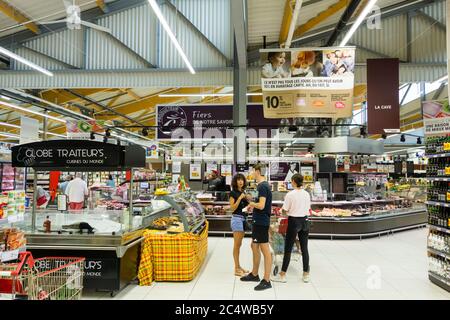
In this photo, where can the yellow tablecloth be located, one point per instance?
(167, 257)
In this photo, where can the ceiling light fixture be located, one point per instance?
(25, 61)
(7, 104)
(40, 131)
(442, 79)
(172, 37)
(4, 134)
(359, 20)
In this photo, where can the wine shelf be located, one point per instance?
(439, 155)
(439, 253)
(439, 228)
(437, 203)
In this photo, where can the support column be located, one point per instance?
(239, 12)
(45, 128)
(448, 40)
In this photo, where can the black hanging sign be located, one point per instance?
(80, 154)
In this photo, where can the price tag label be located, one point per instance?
(447, 171)
(447, 146)
(12, 219)
(10, 255)
(448, 196)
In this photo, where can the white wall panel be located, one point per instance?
(137, 28)
(212, 18)
(39, 59)
(428, 42)
(102, 52)
(197, 49)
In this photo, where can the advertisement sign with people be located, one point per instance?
(308, 82)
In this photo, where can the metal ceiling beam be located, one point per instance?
(286, 22)
(88, 15)
(345, 18)
(151, 101)
(105, 107)
(324, 32)
(60, 96)
(386, 12)
(197, 31)
(65, 64)
(147, 63)
(431, 20)
(321, 16)
(18, 16)
(102, 5)
(238, 23)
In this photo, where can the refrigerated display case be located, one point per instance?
(11, 178)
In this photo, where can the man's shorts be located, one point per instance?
(260, 234)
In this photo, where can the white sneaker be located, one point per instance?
(279, 278)
(305, 277)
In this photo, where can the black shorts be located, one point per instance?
(260, 234)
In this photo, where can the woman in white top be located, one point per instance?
(297, 205)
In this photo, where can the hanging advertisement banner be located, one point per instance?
(195, 171)
(308, 82)
(383, 107)
(29, 130)
(436, 117)
(211, 166)
(81, 129)
(74, 154)
(152, 151)
(283, 171)
(177, 121)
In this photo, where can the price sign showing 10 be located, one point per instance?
(272, 102)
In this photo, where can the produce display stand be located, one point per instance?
(111, 260)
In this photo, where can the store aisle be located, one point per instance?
(390, 267)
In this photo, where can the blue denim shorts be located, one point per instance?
(237, 223)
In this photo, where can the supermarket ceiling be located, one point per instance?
(121, 75)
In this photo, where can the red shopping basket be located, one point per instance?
(282, 228)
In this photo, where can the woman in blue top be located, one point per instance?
(238, 201)
(110, 182)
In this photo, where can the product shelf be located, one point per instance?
(447, 179)
(440, 281)
(439, 228)
(439, 155)
(439, 253)
(437, 203)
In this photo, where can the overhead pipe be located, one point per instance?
(345, 18)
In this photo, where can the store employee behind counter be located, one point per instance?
(216, 183)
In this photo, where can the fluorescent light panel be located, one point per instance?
(4, 134)
(172, 37)
(40, 131)
(358, 22)
(31, 111)
(25, 61)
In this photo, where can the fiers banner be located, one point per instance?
(383, 108)
(308, 82)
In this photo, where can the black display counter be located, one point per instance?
(344, 228)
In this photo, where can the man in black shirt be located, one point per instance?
(260, 230)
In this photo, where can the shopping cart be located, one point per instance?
(277, 237)
(16, 277)
(48, 278)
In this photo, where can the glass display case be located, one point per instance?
(188, 208)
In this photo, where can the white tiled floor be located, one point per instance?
(340, 269)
